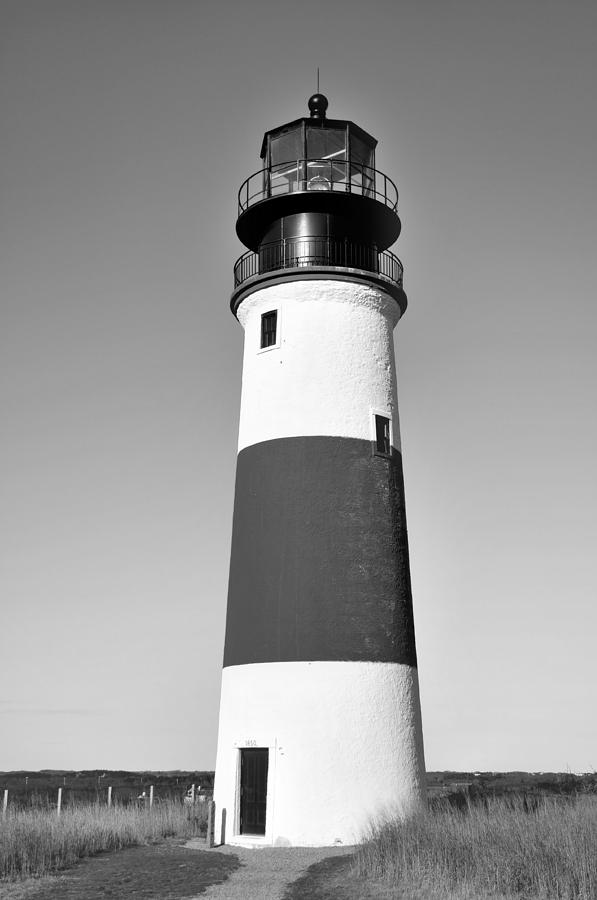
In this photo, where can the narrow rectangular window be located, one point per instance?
(382, 435)
(268, 328)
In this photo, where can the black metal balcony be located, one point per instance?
(313, 252)
(300, 175)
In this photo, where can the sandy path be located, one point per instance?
(264, 873)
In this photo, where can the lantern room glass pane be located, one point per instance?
(326, 154)
(286, 147)
(362, 162)
(360, 152)
(285, 150)
(326, 143)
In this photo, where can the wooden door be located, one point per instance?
(253, 790)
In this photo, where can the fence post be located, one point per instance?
(110, 796)
(211, 816)
(4, 804)
(150, 796)
(59, 802)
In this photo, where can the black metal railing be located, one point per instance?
(296, 252)
(317, 175)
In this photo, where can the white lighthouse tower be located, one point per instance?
(320, 725)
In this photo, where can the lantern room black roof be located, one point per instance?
(320, 122)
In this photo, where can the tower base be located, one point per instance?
(340, 744)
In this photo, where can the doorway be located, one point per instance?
(253, 790)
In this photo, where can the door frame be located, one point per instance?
(247, 834)
(269, 800)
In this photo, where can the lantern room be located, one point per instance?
(318, 202)
(333, 152)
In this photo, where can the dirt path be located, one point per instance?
(266, 873)
(174, 870)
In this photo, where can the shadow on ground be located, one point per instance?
(166, 871)
(325, 880)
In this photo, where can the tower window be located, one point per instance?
(269, 321)
(382, 435)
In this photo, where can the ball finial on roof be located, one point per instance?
(318, 104)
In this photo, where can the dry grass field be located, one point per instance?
(473, 844)
(504, 847)
(38, 842)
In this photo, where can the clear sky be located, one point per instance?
(127, 127)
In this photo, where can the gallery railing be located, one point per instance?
(290, 253)
(317, 175)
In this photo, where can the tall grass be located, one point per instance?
(37, 842)
(499, 847)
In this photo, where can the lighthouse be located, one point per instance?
(320, 725)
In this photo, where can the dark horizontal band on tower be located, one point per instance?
(319, 567)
